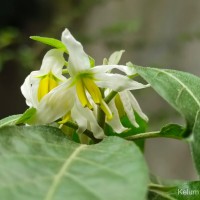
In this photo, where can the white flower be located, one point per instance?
(123, 103)
(39, 83)
(79, 95)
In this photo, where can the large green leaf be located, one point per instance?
(41, 163)
(180, 89)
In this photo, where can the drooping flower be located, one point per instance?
(85, 81)
(77, 97)
(41, 82)
(123, 103)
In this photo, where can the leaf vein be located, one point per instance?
(181, 83)
(74, 178)
(98, 166)
(62, 171)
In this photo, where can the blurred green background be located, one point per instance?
(157, 33)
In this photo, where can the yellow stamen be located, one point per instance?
(106, 109)
(93, 90)
(119, 105)
(82, 95)
(65, 118)
(47, 83)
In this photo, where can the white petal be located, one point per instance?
(115, 123)
(105, 68)
(77, 56)
(136, 106)
(53, 61)
(29, 89)
(79, 119)
(55, 104)
(92, 120)
(128, 108)
(117, 82)
(115, 57)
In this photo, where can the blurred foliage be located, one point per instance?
(122, 27)
(18, 54)
(17, 26)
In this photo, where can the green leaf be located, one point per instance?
(26, 116)
(172, 131)
(184, 191)
(169, 131)
(195, 143)
(40, 163)
(9, 121)
(180, 89)
(50, 41)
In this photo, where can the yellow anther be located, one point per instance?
(65, 118)
(52, 82)
(119, 106)
(47, 83)
(82, 94)
(93, 90)
(106, 109)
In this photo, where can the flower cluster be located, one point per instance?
(87, 91)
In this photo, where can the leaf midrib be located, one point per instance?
(61, 172)
(181, 83)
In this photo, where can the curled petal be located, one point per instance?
(78, 58)
(29, 89)
(53, 61)
(105, 68)
(115, 122)
(117, 82)
(128, 108)
(136, 106)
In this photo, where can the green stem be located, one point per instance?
(86, 132)
(153, 186)
(101, 117)
(153, 134)
(110, 97)
(65, 71)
